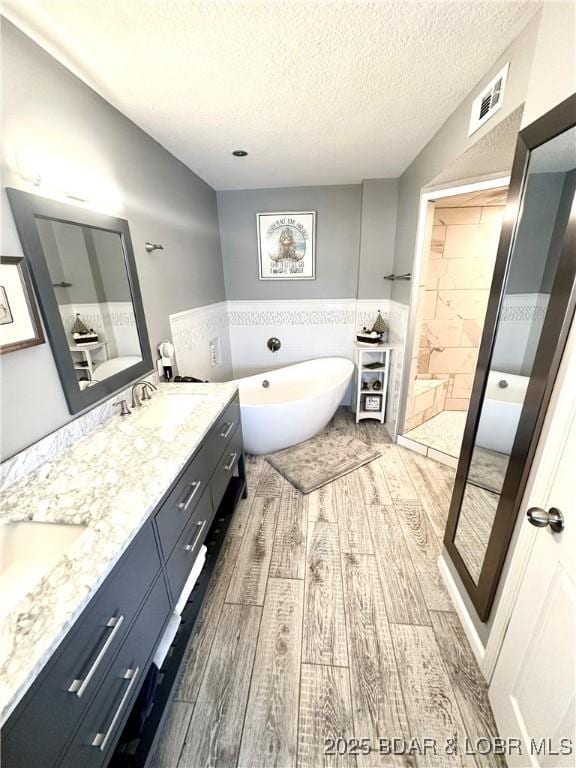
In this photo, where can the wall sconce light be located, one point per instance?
(52, 173)
(153, 247)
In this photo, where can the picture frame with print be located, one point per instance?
(286, 245)
(371, 402)
(20, 325)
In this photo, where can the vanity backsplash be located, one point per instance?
(48, 448)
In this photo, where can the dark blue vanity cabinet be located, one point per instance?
(80, 710)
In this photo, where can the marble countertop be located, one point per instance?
(110, 481)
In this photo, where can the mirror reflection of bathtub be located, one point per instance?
(289, 405)
(503, 399)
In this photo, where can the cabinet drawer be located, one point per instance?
(105, 717)
(56, 705)
(175, 513)
(221, 433)
(182, 558)
(226, 467)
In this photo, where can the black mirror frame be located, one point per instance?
(557, 322)
(25, 207)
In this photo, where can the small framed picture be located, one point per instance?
(371, 402)
(19, 322)
(286, 245)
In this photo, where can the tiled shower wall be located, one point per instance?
(453, 295)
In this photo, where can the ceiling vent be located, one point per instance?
(489, 101)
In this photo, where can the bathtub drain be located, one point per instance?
(265, 383)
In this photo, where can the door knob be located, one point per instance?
(540, 518)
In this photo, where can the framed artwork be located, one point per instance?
(371, 403)
(286, 245)
(19, 322)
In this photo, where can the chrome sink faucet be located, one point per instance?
(146, 387)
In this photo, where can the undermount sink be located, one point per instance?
(171, 410)
(28, 550)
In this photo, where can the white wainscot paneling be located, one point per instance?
(192, 332)
(113, 321)
(306, 329)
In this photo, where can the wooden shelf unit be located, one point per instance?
(365, 354)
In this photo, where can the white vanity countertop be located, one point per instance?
(110, 481)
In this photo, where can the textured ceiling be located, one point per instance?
(318, 92)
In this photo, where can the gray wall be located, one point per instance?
(338, 212)
(356, 230)
(534, 261)
(92, 260)
(379, 211)
(49, 110)
(450, 142)
(553, 74)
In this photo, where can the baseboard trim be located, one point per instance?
(473, 637)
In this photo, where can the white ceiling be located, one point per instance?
(318, 91)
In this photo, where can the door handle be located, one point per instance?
(228, 467)
(79, 685)
(101, 739)
(190, 547)
(541, 518)
(227, 429)
(185, 503)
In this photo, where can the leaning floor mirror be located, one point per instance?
(529, 314)
(84, 273)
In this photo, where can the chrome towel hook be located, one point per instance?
(153, 246)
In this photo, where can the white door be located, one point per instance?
(533, 688)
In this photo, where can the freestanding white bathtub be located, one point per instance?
(501, 411)
(297, 403)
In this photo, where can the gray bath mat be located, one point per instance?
(321, 459)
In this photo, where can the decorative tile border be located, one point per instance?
(354, 312)
(290, 313)
(97, 316)
(523, 307)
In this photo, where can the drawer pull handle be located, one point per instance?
(79, 686)
(185, 503)
(228, 467)
(227, 429)
(101, 739)
(191, 547)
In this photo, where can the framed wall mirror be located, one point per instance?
(530, 311)
(84, 272)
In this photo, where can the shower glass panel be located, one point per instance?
(546, 207)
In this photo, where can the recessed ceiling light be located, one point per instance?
(239, 153)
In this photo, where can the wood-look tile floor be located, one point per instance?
(327, 619)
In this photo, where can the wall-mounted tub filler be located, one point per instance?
(273, 344)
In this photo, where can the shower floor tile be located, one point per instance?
(443, 432)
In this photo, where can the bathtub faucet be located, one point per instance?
(273, 344)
